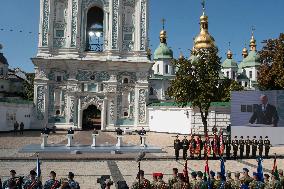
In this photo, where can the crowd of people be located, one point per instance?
(19, 128)
(221, 146)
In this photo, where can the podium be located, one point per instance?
(143, 141)
(119, 140)
(44, 140)
(70, 140)
(94, 140)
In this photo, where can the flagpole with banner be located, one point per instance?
(274, 169)
(206, 169)
(38, 170)
(259, 169)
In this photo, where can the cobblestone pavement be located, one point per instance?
(119, 166)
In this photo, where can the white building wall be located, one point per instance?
(11, 112)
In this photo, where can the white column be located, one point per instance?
(44, 140)
(143, 141)
(70, 140)
(119, 140)
(94, 140)
(104, 115)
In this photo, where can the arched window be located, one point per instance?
(125, 80)
(94, 31)
(151, 91)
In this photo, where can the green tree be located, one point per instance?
(29, 86)
(197, 81)
(225, 87)
(271, 72)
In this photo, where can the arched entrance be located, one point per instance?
(91, 118)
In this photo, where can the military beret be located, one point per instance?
(242, 137)
(247, 136)
(13, 171)
(177, 136)
(160, 175)
(193, 174)
(266, 175)
(212, 173)
(236, 137)
(199, 174)
(260, 136)
(237, 174)
(32, 172)
(266, 137)
(254, 136)
(245, 170)
(154, 174)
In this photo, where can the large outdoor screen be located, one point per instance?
(257, 108)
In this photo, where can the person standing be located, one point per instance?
(254, 146)
(281, 177)
(229, 181)
(174, 178)
(275, 183)
(154, 181)
(267, 146)
(161, 184)
(13, 182)
(22, 128)
(72, 183)
(235, 144)
(199, 147)
(248, 144)
(237, 182)
(246, 179)
(266, 181)
(207, 147)
(177, 147)
(181, 184)
(260, 146)
(32, 183)
(215, 146)
(227, 143)
(193, 182)
(144, 183)
(52, 183)
(192, 146)
(185, 147)
(242, 147)
(16, 127)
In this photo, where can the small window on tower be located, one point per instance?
(166, 69)
(250, 74)
(125, 80)
(59, 78)
(228, 74)
(151, 91)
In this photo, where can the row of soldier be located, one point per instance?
(199, 180)
(220, 146)
(15, 182)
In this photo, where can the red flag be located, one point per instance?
(222, 146)
(207, 167)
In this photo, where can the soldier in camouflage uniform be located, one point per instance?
(255, 183)
(280, 171)
(219, 182)
(181, 184)
(52, 183)
(144, 183)
(161, 184)
(201, 184)
(174, 178)
(154, 181)
(275, 183)
(72, 183)
(212, 178)
(229, 181)
(32, 183)
(266, 181)
(13, 181)
(246, 179)
(193, 182)
(237, 182)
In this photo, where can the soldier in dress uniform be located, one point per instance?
(185, 144)
(275, 183)
(174, 178)
(248, 144)
(193, 182)
(267, 146)
(32, 183)
(161, 184)
(227, 143)
(255, 183)
(192, 146)
(215, 146)
(177, 147)
(235, 144)
(229, 181)
(181, 184)
(207, 147)
(13, 182)
(266, 181)
(281, 177)
(242, 147)
(199, 147)
(72, 183)
(144, 183)
(246, 179)
(52, 183)
(254, 146)
(260, 146)
(237, 182)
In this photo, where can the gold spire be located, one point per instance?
(163, 33)
(204, 39)
(245, 52)
(229, 54)
(181, 55)
(252, 43)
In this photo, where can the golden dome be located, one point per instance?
(204, 39)
(163, 36)
(181, 55)
(229, 54)
(252, 43)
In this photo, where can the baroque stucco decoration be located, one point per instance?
(92, 100)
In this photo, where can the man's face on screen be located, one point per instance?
(263, 99)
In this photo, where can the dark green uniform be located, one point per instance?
(260, 146)
(254, 147)
(185, 145)
(242, 147)
(172, 180)
(177, 147)
(255, 184)
(235, 144)
(227, 144)
(248, 144)
(266, 147)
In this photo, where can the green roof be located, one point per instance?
(213, 104)
(230, 63)
(252, 60)
(163, 52)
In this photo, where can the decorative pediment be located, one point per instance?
(92, 100)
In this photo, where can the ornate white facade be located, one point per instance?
(92, 52)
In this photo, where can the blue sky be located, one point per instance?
(229, 21)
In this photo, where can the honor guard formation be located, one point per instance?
(221, 146)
